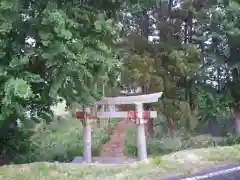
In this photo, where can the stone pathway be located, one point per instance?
(115, 146)
(112, 152)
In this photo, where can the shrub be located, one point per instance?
(61, 140)
(154, 146)
(201, 141)
(231, 140)
(12, 142)
(165, 144)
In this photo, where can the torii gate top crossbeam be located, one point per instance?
(147, 98)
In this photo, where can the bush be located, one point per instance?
(154, 146)
(61, 140)
(12, 142)
(231, 140)
(202, 141)
(165, 144)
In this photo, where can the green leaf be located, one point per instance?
(98, 25)
(19, 88)
(5, 27)
(33, 78)
(20, 61)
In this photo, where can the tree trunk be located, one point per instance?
(149, 124)
(172, 128)
(235, 75)
(148, 107)
(237, 121)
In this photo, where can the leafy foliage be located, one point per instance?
(51, 49)
(193, 58)
(164, 144)
(61, 140)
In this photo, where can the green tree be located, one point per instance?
(169, 63)
(52, 49)
(225, 36)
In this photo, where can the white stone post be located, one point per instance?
(87, 137)
(111, 109)
(141, 137)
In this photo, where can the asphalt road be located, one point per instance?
(226, 172)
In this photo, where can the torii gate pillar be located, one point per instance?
(85, 117)
(141, 137)
(87, 137)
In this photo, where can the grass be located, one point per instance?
(230, 153)
(158, 167)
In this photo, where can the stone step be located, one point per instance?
(115, 146)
